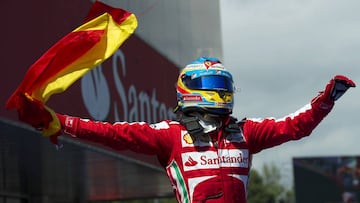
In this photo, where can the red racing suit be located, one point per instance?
(210, 168)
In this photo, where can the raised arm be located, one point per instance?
(269, 132)
(152, 139)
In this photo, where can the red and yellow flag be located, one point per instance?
(103, 32)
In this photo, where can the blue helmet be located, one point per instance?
(205, 85)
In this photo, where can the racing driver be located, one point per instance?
(207, 153)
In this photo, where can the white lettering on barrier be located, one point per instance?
(136, 106)
(96, 94)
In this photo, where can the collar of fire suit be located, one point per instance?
(200, 124)
(209, 126)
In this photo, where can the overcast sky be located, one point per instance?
(281, 53)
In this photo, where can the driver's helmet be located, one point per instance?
(206, 86)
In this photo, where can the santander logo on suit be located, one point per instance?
(215, 159)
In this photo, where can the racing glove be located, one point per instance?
(33, 112)
(39, 116)
(336, 87)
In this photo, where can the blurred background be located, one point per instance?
(281, 53)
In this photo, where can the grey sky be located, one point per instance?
(281, 53)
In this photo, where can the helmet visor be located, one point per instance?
(210, 82)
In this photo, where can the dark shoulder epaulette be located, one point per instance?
(242, 121)
(233, 126)
(192, 125)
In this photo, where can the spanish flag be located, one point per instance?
(104, 30)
